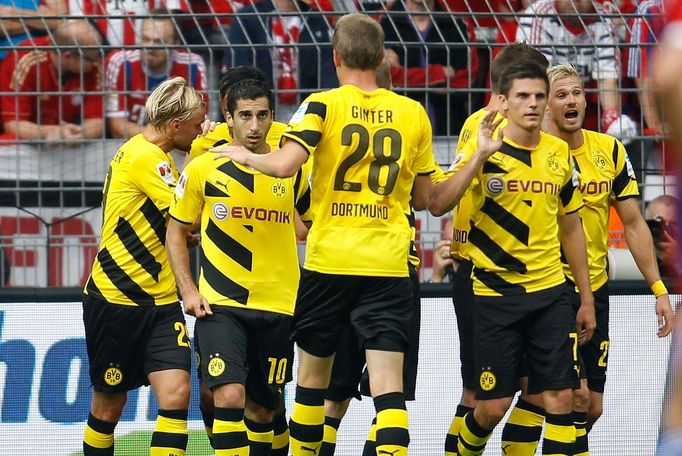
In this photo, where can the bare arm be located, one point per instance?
(641, 245)
(93, 128)
(573, 243)
(447, 194)
(649, 104)
(121, 127)
(284, 162)
(25, 129)
(36, 19)
(178, 257)
(668, 71)
(609, 94)
(421, 190)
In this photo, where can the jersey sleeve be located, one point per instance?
(302, 191)
(305, 126)
(154, 175)
(570, 198)
(189, 194)
(424, 163)
(18, 76)
(114, 84)
(625, 183)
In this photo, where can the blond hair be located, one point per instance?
(359, 41)
(563, 71)
(173, 99)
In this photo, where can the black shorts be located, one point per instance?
(540, 325)
(378, 308)
(126, 343)
(348, 373)
(463, 300)
(249, 347)
(594, 355)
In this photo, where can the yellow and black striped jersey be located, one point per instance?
(514, 234)
(248, 242)
(132, 267)
(461, 214)
(221, 135)
(366, 148)
(605, 174)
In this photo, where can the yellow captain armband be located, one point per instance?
(658, 289)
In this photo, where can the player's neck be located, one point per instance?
(522, 136)
(574, 139)
(362, 79)
(494, 102)
(159, 139)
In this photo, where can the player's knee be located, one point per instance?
(594, 412)
(581, 399)
(258, 413)
(206, 397)
(231, 395)
(336, 410)
(177, 396)
(491, 412)
(558, 401)
(108, 407)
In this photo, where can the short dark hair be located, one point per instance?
(236, 74)
(248, 89)
(523, 70)
(514, 53)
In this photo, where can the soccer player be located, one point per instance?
(134, 327)
(606, 178)
(371, 151)
(463, 296)
(222, 134)
(348, 379)
(249, 276)
(524, 201)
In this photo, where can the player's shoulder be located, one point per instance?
(602, 140)
(551, 142)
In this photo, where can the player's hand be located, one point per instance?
(192, 240)
(391, 57)
(441, 260)
(585, 319)
(235, 153)
(487, 145)
(666, 317)
(208, 126)
(196, 305)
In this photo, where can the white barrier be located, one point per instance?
(45, 387)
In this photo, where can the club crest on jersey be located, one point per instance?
(553, 164)
(599, 160)
(494, 185)
(165, 171)
(216, 365)
(279, 189)
(182, 184)
(487, 380)
(113, 376)
(220, 211)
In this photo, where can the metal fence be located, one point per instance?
(60, 81)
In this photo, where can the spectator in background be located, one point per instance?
(273, 26)
(33, 22)
(132, 73)
(543, 26)
(424, 38)
(646, 29)
(117, 19)
(30, 76)
(661, 216)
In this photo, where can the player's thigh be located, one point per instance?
(383, 313)
(595, 353)
(463, 300)
(322, 307)
(551, 341)
(113, 335)
(168, 345)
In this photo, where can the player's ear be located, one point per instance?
(229, 119)
(336, 58)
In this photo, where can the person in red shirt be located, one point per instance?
(50, 88)
(131, 74)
